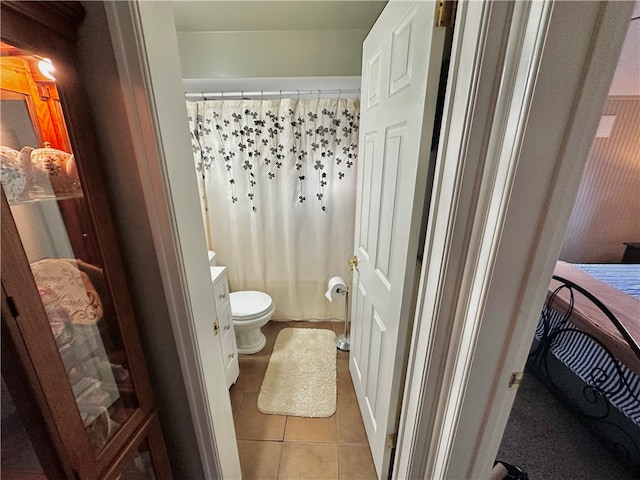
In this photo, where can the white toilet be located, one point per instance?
(250, 311)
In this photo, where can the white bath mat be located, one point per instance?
(301, 375)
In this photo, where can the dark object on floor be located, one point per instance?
(506, 471)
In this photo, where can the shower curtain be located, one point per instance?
(277, 181)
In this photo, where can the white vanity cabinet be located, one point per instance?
(225, 333)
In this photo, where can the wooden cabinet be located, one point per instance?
(76, 398)
(223, 325)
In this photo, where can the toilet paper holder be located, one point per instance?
(342, 341)
(337, 286)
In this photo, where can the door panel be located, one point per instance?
(401, 69)
(387, 212)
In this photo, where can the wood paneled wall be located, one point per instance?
(607, 209)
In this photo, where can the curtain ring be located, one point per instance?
(280, 94)
(261, 94)
(339, 93)
(318, 94)
(298, 94)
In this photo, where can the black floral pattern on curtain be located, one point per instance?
(256, 140)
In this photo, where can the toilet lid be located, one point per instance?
(249, 303)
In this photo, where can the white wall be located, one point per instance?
(136, 241)
(271, 53)
(626, 81)
(146, 44)
(273, 38)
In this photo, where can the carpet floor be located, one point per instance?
(547, 441)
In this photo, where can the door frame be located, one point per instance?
(145, 45)
(513, 146)
(524, 99)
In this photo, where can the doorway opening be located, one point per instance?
(437, 86)
(568, 420)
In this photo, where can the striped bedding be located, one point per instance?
(609, 283)
(589, 317)
(583, 357)
(624, 277)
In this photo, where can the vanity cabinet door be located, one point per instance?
(225, 333)
(62, 274)
(230, 354)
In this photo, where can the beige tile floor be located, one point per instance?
(284, 447)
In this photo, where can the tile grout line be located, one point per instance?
(337, 443)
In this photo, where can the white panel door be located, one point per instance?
(400, 75)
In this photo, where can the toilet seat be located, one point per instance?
(249, 305)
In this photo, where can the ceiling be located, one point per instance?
(202, 16)
(626, 80)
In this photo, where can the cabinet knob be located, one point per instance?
(223, 296)
(231, 355)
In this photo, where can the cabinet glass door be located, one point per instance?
(45, 194)
(139, 467)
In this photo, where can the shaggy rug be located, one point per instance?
(301, 375)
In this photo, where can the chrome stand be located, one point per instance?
(342, 341)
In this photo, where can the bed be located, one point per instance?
(586, 350)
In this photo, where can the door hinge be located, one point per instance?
(516, 379)
(390, 441)
(13, 308)
(216, 327)
(353, 262)
(446, 13)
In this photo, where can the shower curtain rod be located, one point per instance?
(270, 93)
